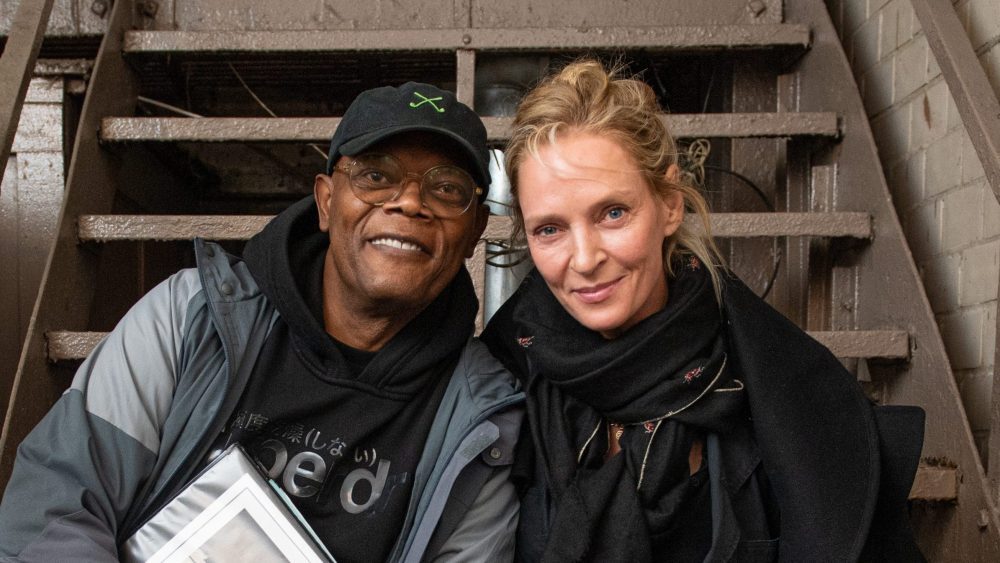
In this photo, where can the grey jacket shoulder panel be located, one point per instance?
(180, 358)
(480, 388)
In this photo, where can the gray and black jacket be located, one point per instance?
(144, 408)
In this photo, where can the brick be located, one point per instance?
(865, 45)
(879, 86)
(933, 68)
(972, 167)
(941, 282)
(954, 118)
(923, 229)
(944, 163)
(980, 267)
(908, 23)
(915, 165)
(898, 22)
(991, 64)
(961, 218)
(990, 336)
(892, 133)
(911, 68)
(962, 333)
(888, 28)
(874, 6)
(852, 16)
(983, 24)
(991, 213)
(929, 115)
(977, 390)
(897, 177)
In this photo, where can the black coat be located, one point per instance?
(818, 464)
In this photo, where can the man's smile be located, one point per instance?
(398, 243)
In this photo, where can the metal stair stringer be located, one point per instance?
(891, 294)
(67, 287)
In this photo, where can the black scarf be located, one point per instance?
(666, 378)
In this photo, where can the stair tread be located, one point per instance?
(320, 129)
(689, 37)
(886, 344)
(107, 228)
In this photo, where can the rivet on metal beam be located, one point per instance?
(99, 8)
(149, 8)
(757, 8)
(984, 519)
(466, 39)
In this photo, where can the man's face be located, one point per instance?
(397, 257)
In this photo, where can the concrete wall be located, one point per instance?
(949, 213)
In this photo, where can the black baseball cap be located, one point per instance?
(380, 113)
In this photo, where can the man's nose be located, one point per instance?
(409, 200)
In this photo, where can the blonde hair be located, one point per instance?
(586, 97)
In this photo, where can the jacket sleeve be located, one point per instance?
(77, 473)
(486, 533)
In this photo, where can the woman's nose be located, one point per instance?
(587, 252)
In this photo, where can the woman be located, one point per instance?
(673, 416)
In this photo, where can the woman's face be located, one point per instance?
(595, 230)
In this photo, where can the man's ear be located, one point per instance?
(482, 218)
(322, 192)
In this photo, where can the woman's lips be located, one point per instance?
(596, 293)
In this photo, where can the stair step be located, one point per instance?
(320, 129)
(935, 484)
(108, 228)
(883, 344)
(674, 38)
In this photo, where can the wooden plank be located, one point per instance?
(320, 129)
(660, 38)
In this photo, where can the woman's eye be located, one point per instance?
(546, 231)
(615, 213)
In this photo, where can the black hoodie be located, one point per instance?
(342, 430)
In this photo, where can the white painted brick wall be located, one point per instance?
(950, 216)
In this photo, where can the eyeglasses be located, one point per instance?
(448, 191)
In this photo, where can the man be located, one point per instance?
(338, 352)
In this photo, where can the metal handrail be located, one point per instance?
(16, 65)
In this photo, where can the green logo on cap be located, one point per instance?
(425, 100)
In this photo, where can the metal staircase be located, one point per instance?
(767, 83)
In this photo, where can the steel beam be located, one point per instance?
(977, 104)
(109, 228)
(16, 65)
(67, 287)
(673, 38)
(883, 344)
(314, 129)
(877, 285)
(974, 96)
